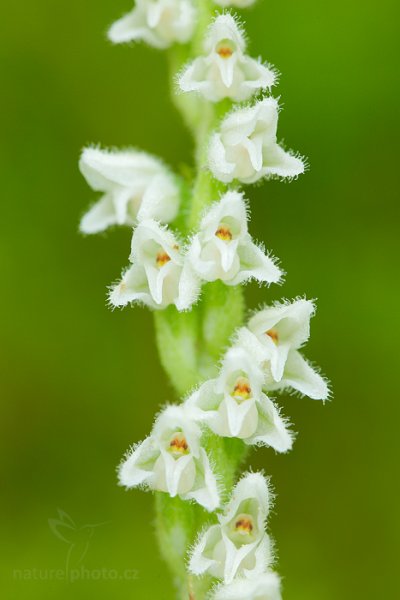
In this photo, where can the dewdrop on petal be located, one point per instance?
(225, 71)
(159, 23)
(238, 545)
(245, 146)
(172, 460)
(135, 186)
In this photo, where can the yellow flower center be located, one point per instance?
(225, 52)
(224, 233)
(273, 334)
(225, 48)
(244, 525)
(162, 258)
(242, 389)
(178, 444)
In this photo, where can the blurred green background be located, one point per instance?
(80, 383)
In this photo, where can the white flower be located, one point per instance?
(223, 248)
(236, 3)
(159, 23)
(263, 587)
(225, 72)
(233, 405)
(238, 545)
(245, 147)
(274, 336)
(172, 460)
(155, 277)
(135, 186)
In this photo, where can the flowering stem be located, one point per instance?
(191, 344)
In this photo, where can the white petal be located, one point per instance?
(251, 485)
(174, 476)
(265, 586)
(176, 418)
(251, 344)
(160, 200)
(254, 264)
(189, 288)
(291, 322)
(103, 169)
(100, 216)
(129, 27)
(133, 286)
(245, 146)
(220, 167)
(281, 163)
(138, 466)
(199, 563)
(272, 430)
(302, 377)
(236, 420)
(136, 184)
(236, 557)
(205, 492)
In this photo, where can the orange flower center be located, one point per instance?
(225, 52)
(244, 525)
(224, 233)
(242, 389)
(162, 258)
(273, 334)
(179, 444)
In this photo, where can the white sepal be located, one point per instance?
(238, 545)
(223, 249)
(233, 404)
(262, 587)
(159, 23)
(156, 276)
(135, 186)
(225, 71)
(172, 460)
(245, 146)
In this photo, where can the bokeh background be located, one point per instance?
(80, 383)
